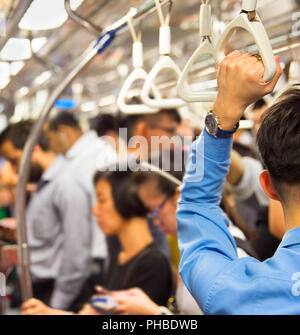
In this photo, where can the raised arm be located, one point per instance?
(206, 246)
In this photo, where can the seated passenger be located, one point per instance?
(140, 263)
(160, 195)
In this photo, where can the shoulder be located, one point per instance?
(153, 257)
(68, 182)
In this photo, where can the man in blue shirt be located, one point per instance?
(219, 281)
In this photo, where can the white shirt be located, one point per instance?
(87, 155)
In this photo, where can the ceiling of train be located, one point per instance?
(100, 82)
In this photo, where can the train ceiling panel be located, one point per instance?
(104, 76)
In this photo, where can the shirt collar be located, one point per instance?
(53, 169)
(81, 144)
(292, 237)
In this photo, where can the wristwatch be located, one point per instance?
(212, 125)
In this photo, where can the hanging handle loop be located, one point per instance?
(164, 31)
(250, 21)
(138, 73)
(206, 48)
(164, 63)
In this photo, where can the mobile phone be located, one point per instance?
(103, 303)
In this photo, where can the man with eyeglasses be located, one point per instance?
(147, 134)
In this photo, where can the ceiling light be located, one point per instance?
(88, 106)
(38, 43)
(42, 78)
(16, 67)
(21, 92)
(44, 15)
(4, 82)
(16, 49)
(4, 70)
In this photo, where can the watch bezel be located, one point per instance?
(213, 128)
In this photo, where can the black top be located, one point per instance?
(149, 270)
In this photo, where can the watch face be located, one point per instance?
(211, 124)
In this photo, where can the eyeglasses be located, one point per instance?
(154, 215)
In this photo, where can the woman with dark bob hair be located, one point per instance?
(120, 212)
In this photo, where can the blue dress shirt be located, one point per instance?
(220, 282)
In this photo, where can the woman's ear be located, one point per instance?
(266, 184)
(177, 194)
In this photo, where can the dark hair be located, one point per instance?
(63, 118)
(176, 168)
(104, 123)
(130, 121)
(18, 133)
(278, 139)
(168, 188)
(259, 104)
(124, 192)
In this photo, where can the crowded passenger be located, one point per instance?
(85, 153)
(59, 267)
(219, 281)
(120, 212)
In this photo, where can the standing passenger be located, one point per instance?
(59, 238)
(85, 153)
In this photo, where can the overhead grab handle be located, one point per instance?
(205, 48)
(164, 63)
(138, 73)
(250, 21)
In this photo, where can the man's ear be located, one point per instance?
(266, 184)
(141, 129)
(177, 194)
(37, 150)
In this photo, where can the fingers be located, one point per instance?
(101, 290)
(120, 309)
(30, 303)
(33, 311)
(271, 84)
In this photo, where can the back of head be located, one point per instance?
(172, 162)
(18, 133)
(63, 118)
(279, 141)
(105, 123)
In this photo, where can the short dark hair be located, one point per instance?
(104, 123)
(130, 121)
(124, 193)
(164, 185)
(259, 104)
(278, 140)
(63, 118)
(18, 133)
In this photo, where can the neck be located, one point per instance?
(292, 218)
(134, 237)
(47, 160)
(74, 137)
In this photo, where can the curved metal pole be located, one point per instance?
(12, 26)
(99, 46)
(85, 23)
(23, 249)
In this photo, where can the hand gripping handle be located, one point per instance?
(258, 32)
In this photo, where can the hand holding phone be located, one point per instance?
(103, 303)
